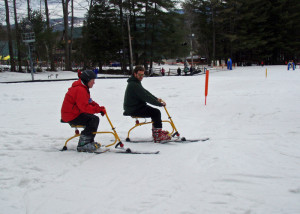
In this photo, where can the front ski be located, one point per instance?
(101, 151)
(98, 151)
(118, 150)
(181, 140)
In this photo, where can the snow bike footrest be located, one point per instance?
(120, 144)
(176, 134)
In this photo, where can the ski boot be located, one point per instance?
(86, 144)
(160, 136)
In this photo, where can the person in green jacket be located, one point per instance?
(135, 104)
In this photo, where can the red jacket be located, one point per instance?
(77, 100)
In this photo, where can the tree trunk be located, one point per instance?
(130, 48)
(122, 35)
(49, 42)
(10, 46)
(91, 5)
(145, 36)
(18, 38)
(71, 36)
(28, 9)
(213, 34)
(136, 55)
(65, 4)
(152, 37)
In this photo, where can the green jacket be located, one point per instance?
(136, 96)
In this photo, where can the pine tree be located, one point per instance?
(102, 38)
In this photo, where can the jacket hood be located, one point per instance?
(78, 83)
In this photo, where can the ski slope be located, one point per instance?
(249, 165)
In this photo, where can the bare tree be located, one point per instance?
(28, 9)
(133, 17)
(10, 46)
(145, 34)
(123, 58)
(91, 3)
(18, 36)
(71, 34)
(50, 42)
(152, 36)
(213, 19)
(65, 4)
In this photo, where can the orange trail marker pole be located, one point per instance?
(206, 84)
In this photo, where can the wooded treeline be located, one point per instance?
(247, 31)
(157, 32)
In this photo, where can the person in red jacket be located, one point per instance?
(79, 109)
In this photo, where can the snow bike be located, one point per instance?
(113, 132)
(173, 133)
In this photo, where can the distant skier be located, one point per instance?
(191, 70)
(78, 108)
(229, 64)
(179, 71)
(135, 104)
(186, 69)
(163, 72)
(291, 64)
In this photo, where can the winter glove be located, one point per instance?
(102, 110)
(163, 103)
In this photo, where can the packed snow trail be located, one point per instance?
(249, 165)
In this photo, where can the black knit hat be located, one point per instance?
(86, 76)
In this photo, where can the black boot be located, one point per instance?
(86, 144)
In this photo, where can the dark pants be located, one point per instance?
(149, 111)
(90, 121)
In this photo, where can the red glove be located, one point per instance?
(102, 110)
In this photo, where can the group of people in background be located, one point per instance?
(186, 70)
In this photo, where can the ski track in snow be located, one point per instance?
(249, 165)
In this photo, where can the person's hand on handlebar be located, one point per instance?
(162, 102)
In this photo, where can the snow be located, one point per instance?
(249, 165)
(44, 76)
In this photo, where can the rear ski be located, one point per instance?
(130, 151)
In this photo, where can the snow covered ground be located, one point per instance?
(44, 76)
(250, 165)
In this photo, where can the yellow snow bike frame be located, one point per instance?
(173, 133)
(113, 132)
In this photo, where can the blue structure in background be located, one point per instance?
(291, 64)
(96, 70)
(229, 64)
